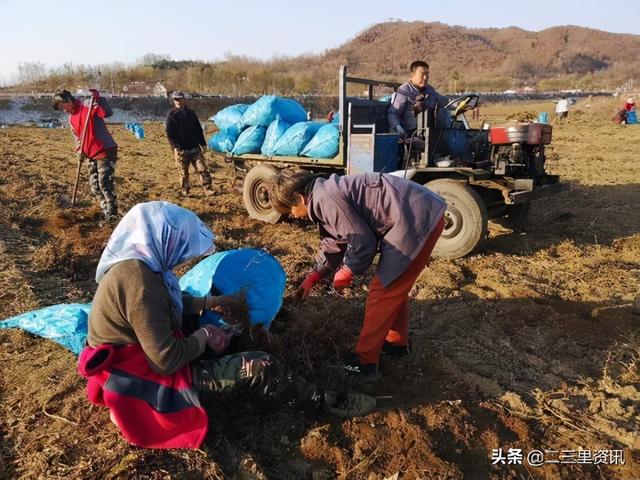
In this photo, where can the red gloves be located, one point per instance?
(95, 94)
(217, 339)
(343, 278)
(305, 287)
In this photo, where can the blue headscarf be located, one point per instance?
(162, 235)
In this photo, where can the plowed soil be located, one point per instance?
(531, 343)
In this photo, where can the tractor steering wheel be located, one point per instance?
(465, 103)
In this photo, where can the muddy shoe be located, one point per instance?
(353, 365)
(393, 350)
(348, 405)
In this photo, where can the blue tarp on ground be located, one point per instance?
(296, 138)
(324, 143)
(65, 324)
(255, 272)
(224, 140)
(230, 117)
(264, 111)
(249, 141)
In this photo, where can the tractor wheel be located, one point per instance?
(465, 218)
(255, 194)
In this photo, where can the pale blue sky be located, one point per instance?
(54, 32)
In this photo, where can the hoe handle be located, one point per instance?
(75, 186)
(81, 155)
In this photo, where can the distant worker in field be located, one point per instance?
(331, 115)
(186, 138)
(562, 110)
(412, 98)
(627, 114)
(630, 105)
(630, 108)
(358, 217)
(99, 146)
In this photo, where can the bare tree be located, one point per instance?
(31, 72)
(150, 59)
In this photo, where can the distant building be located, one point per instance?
(159, 90)
(137, 89)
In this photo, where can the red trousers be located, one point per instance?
(386, 314)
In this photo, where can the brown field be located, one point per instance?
(532, 343)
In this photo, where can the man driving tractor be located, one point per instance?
(412, 98)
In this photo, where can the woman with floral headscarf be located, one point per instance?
(140, 363)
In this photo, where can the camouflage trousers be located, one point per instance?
(195, 157)
(259, 373)
(101, 180)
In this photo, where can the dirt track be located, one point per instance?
(532, 343)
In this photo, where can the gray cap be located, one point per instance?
(177, 94)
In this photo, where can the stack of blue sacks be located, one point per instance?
(273, 126)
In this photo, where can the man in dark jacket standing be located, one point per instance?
(186, 138)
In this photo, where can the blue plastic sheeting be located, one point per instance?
(324, 143)
(224, 140)
(138, 131)
(632, 117)
(264, 111)
(255, 273)
(249, 141)
(230, 117)
(274, 133)
(136, 128)
(296, 138)
(64, 324)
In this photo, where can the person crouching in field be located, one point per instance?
(148, 365)
(186, 138)
(359, 216)
(628, 113)
(99, 146)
